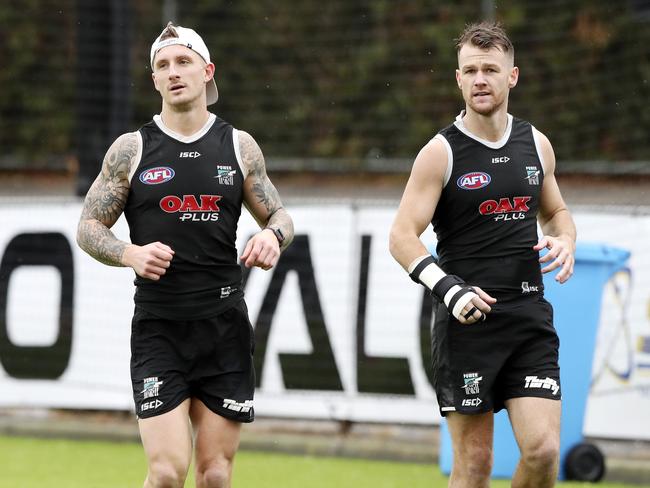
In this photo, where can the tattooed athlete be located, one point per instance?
(181, 181)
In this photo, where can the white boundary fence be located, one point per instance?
(342, 331)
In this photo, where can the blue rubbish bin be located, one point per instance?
(576, 306)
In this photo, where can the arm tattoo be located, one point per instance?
(262, 187)
(263, 190)
(105, 202)
(281, 220)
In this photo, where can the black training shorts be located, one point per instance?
(514, 353)
(210, 359)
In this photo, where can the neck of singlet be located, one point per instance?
(180, 137)
(491, 144)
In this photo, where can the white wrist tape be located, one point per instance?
(430, 275)
(449, 289)
(462, 301)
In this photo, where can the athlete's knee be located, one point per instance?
(215, 475)
(543, 454)
(474, 462)
(165, 475)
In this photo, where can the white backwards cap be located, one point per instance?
(188, 38)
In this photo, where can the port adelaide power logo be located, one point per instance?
(225, 175)
(156, 176)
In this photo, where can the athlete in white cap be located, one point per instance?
(181, 181)
(182, 36)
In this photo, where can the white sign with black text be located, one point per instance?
(342, 332)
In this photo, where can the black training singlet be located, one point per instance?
(486, 219)
(187, 193)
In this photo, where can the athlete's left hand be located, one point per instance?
(477, 308)
(560, 253)
(262, 250)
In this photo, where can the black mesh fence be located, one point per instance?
(346, 82)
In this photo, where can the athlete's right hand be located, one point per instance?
(467, 304)
(150, 261)
(477, 308)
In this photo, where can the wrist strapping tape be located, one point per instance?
(449, 289)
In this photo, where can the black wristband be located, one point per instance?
(278, 234)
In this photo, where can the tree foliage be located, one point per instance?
(348, 80)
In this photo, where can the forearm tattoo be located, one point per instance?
(105, 202)
(282, 220)
(263, 190)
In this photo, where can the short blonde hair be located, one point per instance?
(486, 35)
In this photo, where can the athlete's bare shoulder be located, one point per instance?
(251, 154)
(437, 149)
(433, 160)
(547, 154)
(121, 156)
(107, 196)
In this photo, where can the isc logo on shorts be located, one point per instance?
(474, 180)
(471, 402)
(152, 405)
(156, 176)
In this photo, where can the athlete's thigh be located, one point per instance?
(167, 438)
(533, 369)
(216, 437)
(470, 432)
(159, 363)
(467, 361)
(534, 420)
(223, 376)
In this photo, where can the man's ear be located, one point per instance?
(155, 85)
(209, 71)
(514, 77)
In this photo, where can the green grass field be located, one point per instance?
(32, 463)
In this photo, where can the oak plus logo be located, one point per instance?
(474, 180)
(191, 208)
(156, 176)
(506, 209)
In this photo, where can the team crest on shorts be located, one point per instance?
(471, 385)
(151, 387)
